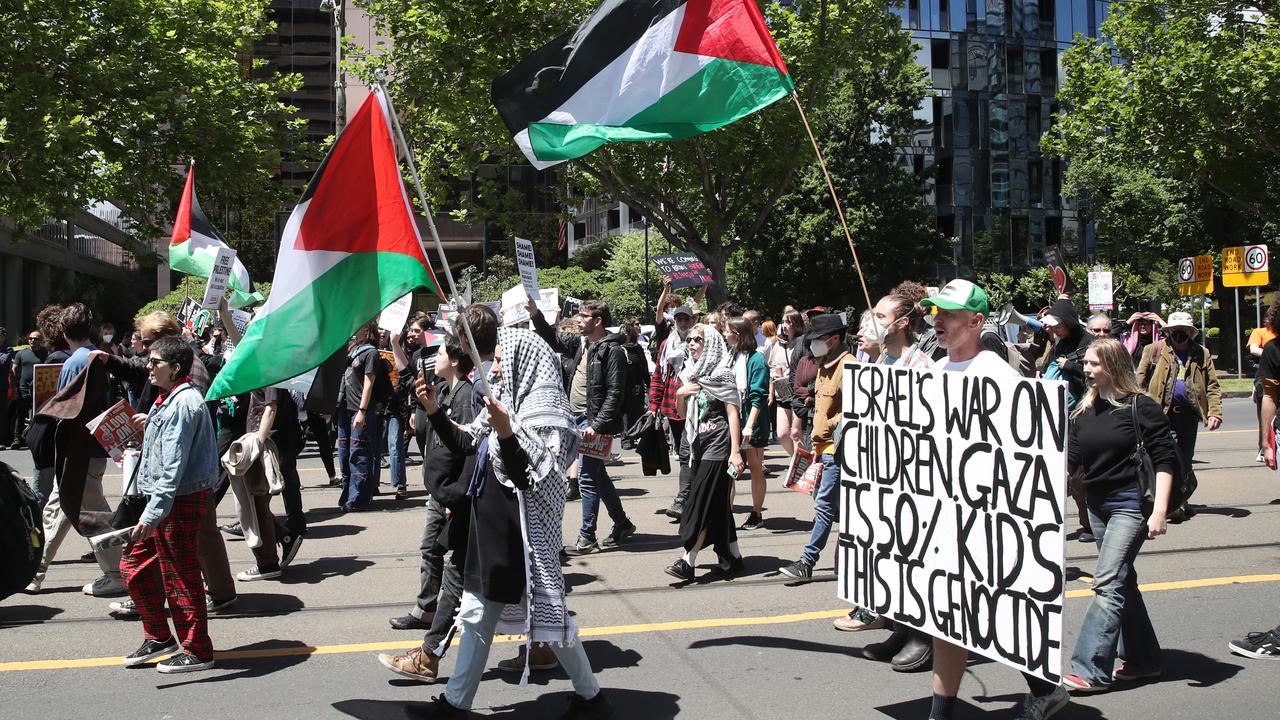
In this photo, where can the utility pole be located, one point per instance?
(340, 75)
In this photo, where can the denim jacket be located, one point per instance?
(179, 452)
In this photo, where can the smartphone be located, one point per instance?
(733, 472)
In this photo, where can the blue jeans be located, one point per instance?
(358, 456)
(1116, 622)
(826, 509)
(595, 485)
(478, 618)
(397, 443)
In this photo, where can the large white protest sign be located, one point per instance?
(952, 505)
(394, 316)
(217, 287)
(528, 264)
(514, 301)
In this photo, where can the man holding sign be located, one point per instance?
(962, 309)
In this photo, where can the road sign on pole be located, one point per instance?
(1245, 266)
(1195, 275)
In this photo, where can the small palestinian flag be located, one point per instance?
(194, 245)
(641, 70)
(350, 248)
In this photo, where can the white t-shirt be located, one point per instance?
(984, 363)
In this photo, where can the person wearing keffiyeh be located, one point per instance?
(714, 435)
(524, 439)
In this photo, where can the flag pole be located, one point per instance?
(831, 186)
(380, 81)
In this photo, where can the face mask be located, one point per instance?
(1179, 337)
(874, 332)
(818, 348)
(107, 338)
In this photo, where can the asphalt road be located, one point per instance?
(752, 647)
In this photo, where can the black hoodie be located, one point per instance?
(1072, 347)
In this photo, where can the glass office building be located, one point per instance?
(995, 69)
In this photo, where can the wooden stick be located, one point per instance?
(839, 208)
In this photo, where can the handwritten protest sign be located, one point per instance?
(528, 265)
(395, 315)
(515, 299)
(952, 505)
(683, 270)
(45, 382)
(114, 430)
(189, 308)
(216, 289)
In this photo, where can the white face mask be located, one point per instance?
(819, 348)
(107, 338)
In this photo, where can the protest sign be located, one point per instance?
(395, 315)
(803, 474)
(44, 383)
(598, 448)
(113, 539)
(1100, 290)
(527, 262)
(952, 506)
(515, 299)
(216, 289)
(189, 308)
(114, 430)
(571, 307)
(390, 359)
(683, 270)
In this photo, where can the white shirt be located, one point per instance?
(984, 363)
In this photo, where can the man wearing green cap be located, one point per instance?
(962, 309)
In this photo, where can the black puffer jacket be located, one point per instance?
(1072, 347)
(606, 373)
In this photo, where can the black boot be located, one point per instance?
(916, 655)
(885, 651)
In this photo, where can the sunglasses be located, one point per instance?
(34, 338)
(153, 361)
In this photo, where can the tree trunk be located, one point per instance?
(716, 259)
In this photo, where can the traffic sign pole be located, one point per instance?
(1239, 341)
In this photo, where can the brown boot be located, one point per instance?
(543, 658)
(415, 664)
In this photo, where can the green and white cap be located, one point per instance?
(960, 295)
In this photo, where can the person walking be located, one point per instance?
(176, 470)
(780, 358)
(637, 378)
(1184, 381)
(1110, 422)
(664, 386)
(360, 419)
(751, 378)
(1258, 339)
(24, 365)
(710, 392)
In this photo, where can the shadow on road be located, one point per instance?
(371, 709)
(1195, 669)
(1231, 512)
(291, 653)
(324, 532)
(632, 491)
(604, 655)
(782, 643)
(13, 615)
(627, 704)
(317, 570)
(1005, 706)
(262, 605)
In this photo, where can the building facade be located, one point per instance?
(995, 67)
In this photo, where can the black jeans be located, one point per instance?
(682, 452)
(320, 428)
(19, 416)
(432, 567)
(289, 447)
(442, 623)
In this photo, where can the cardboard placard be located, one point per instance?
(527, 263)
(601, 447)
(44, 384)
(390, 359)
(953, 488)
(394, 316)
(1100, 290)
(515, 299)
(216, 289)
(683, 270)
(114, 430)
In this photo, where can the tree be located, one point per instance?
(710, 194)
(108, 99)
(1178, 95)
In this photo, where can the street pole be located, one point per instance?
(339, 75)
(1239, 352)
(644, 220)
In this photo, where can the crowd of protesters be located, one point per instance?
(713, 390)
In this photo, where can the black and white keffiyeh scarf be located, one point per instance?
(533, 392)
(713, 372)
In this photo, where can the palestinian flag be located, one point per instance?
(641, 70)
(194, 245)
(350, 248)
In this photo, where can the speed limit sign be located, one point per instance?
(1255, 258)
(1187, 270)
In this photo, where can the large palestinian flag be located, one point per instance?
(351, 248)
(194, 245)
(641, 70)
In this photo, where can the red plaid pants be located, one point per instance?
(166, 566)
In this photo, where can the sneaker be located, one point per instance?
(34, 586)
(857, 620)
(916, 655)
(889, 649)
(680, 570)
(183, 663)
(105, 587)
(402, 493)
(580, 708)
(583, 546)
(1085, 536)
(415, 665)
(437, 709)
(799, 570)
(216, 606)
(289, 545)
(123, 608)
(88, 557)
(256, 573)
(1130, 674)
(410, 622)
(1261, 458)
(675, 511)
(232, 529)
(151, 650)
(542, 658)
(1040, 708)
(731, 566)
(1080, 685)
(754, 521)
(618, 536)
(614, 460)
(1261, 645)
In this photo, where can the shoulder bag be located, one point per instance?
(1142, 461)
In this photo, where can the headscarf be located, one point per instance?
(714, 370)
(674, 350)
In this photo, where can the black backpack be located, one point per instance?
(21, 533)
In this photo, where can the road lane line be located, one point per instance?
(672, 626)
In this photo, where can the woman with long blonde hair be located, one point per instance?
(1108, 424)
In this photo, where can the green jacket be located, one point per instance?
(1160, 375)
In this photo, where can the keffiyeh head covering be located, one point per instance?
(714, 370)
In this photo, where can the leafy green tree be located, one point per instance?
(109, 99)
(710, 194)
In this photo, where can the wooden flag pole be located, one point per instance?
(435, 236)
(839, 208)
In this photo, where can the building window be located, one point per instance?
(940, 63)
(913, 13)
(944, 14)
(1013, 69)
(1035, 179)
(1033, 121)
(1047, 12)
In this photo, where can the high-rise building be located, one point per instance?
(995, 69)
